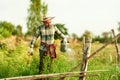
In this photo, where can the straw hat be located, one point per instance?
(47, 18)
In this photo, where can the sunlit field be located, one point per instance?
(15, 62)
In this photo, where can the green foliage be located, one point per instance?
(18, 31)
(119, 26)
(6, 29)
(62, 28)
(87, 34)
(7, 25)
(2, 45)
(106, 37)
(4, 32)
(37, 44)
(17, 63)
(34, 16)
(118, 40)
(44, 9)
(98, 38)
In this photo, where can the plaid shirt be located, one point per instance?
(46, 35)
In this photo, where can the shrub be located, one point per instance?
(6, 29)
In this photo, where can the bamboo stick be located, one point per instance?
(55, 75)
(117, 48)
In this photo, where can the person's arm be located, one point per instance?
(37, 33)
(59, 32)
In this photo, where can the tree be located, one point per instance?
(36, 12)
(19, 30)
(97, 38)
(34, 16)
(6, 29)
(119, 26)
(74, 36)
(118, 40)
(106, 36)
(44, 9)
(87, 34)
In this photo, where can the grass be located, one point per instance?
(15, 62)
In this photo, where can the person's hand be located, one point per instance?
(30, 52)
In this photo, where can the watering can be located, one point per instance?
(64, 45)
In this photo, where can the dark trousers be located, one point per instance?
(45, 63)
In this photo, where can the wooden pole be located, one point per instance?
(55, 75)
(117, 50)
(86, 52)
(37, 77)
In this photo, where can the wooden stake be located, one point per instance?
(117, 50)
(86, 52)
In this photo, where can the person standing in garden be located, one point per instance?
(47, 47)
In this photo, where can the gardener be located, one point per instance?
(47, 47)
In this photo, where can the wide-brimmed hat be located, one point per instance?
(47, 18)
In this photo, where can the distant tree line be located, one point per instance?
(103, 38)
(8, 29)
